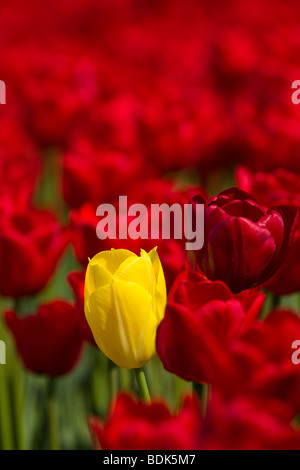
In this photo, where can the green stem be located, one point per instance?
(113, 380)
(18, 384)
(7, 441)
(204, 398)
(52, 417)
(125, 379)
(6, 423)
(142, 385)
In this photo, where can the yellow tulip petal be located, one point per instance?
(111, 259)
(161, 290)
(123, 323)
(139, 271)
(95, 277)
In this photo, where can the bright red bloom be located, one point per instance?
(229, 424)
(133, 425)
(271, 189)
(49, 342)
(76, 281)
(31, 244)
(201, 319)
(244, 244)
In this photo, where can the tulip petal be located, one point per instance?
(96, 276)
(139, 271)
(112, 259)
(161, 290)
(123, 323)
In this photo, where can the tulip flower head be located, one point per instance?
(124, 302)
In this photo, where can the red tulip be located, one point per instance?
(48, 342)
(133, 425)
(201, 319)
(20, 162)
(31, 245)
(279, 187)
(270, 189)
(260, 364)
(239, 424)
(96, 175)
(244, 244)
(235, 424)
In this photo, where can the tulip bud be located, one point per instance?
(124, 302)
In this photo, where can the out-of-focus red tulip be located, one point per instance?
(201, 319)
(261, 366)
(32, 242)
(279, 187)
(270, 189)
(244, 244)
(59, 90)
(48, 342)
(133, 425)
(97, 176)
(229, 424)
(20, 162)
(239, 424)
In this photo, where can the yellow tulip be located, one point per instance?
(124, 302)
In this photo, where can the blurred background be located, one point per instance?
(155, 100)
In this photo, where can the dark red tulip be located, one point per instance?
(48, 342)
(270, 189)
(201, 319)
(31, 245)
(244, 244)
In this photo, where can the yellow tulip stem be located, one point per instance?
(142, 385)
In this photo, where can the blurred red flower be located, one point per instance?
(97, 176)
(20, 162)
(49, 341)
(244, 244)
(32, 242)
(133, 425)
(239, 424)
(235, 424)
(260, 364)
